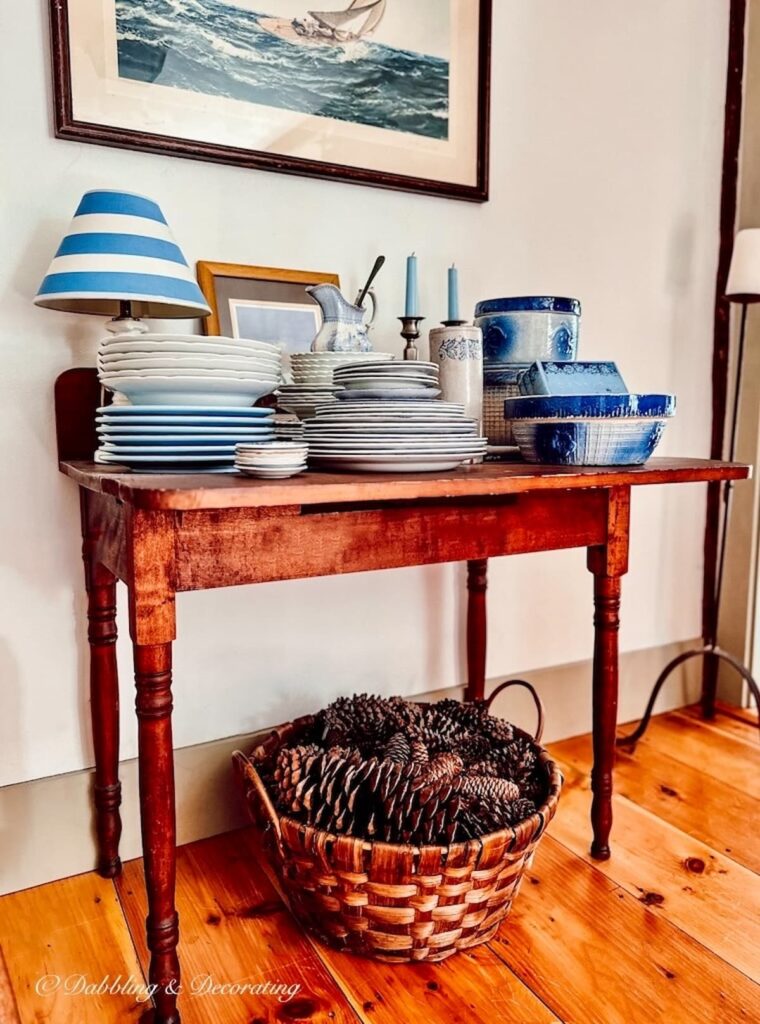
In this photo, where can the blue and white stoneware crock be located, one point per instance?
(522, 330)
(589, 430)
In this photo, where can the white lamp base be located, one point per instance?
(126, 325)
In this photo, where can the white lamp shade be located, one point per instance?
(119, 249)
(744, 275)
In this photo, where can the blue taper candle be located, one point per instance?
(453, 293)
(412, 296)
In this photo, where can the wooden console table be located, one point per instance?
(166, 534)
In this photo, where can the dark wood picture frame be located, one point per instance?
(66, 127)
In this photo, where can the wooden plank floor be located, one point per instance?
(668, 929)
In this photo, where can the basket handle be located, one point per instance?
(536, 699)
(245, 769)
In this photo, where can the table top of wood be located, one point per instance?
(208, 491)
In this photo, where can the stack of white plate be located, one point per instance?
(396, 380)
(275, 461)
(288, 427)
(302, 399)
(167, 369)
(384, 436)
(190, 438)
(317, 367)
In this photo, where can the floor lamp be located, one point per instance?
(744, 289)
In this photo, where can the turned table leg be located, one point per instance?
(153, 679)
(608, 564)
(104, 703)
(153, 628)
(477, 585)
(605, 687)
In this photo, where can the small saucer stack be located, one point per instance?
(274, 461)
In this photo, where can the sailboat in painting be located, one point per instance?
(358, 21)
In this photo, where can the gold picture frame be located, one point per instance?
(263, 303)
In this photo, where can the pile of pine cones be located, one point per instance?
(387, 769)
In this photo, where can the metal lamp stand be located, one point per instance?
(711, 650)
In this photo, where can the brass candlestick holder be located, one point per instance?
(410, 331)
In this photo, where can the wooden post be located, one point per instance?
(104, 699)
(477, 633)
(608, 563)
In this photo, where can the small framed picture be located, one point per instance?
(262, 303)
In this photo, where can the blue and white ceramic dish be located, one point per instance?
(589, 430)
(521, 330)
(551, 377)
(628, 441)
(563, 407)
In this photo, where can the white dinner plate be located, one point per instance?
(159, 449)
(128, 460)
(396, 449)
(387, 384)
(246, 428)
(395, 439)
(409, 405)
(344, 358)
(395, 393)
(167, 371)
(195, 413)
(324, 425)
(392, 464)
(161, 440)
(397, 366)
(195, 363)
(179, 391)
(180, 342)
(187, 351)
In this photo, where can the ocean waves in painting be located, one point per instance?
(219, 49)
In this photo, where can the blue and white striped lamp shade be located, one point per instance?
(119, 249)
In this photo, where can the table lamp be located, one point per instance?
(119, 258)
(743, 288)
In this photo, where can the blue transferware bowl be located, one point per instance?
(563, 407)
(552, 377)
(627, 441)
(522, 330)
(589, 430)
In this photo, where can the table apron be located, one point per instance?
(239, 546)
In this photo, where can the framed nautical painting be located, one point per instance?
(393, 93)
(262, 303)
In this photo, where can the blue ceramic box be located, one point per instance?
(555, 377)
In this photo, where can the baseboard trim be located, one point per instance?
(46, 828)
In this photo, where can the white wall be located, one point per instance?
(607, 130)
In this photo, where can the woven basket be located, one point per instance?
(393, 902)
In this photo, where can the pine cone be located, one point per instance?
(398, 749)
(419, 752)
(442, 767)
(489, 790)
